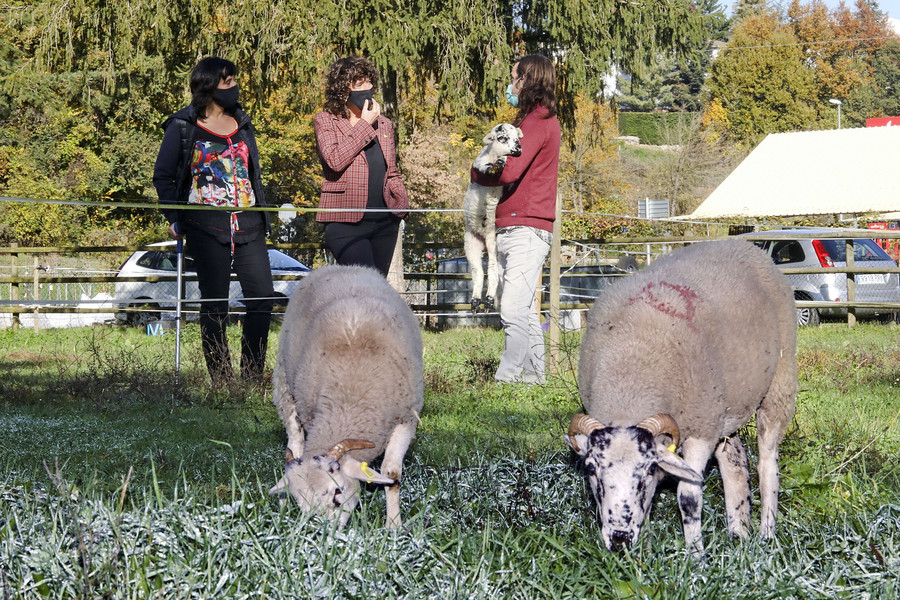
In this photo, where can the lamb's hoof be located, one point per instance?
(476, 304)
(488, 304)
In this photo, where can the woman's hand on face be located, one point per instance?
(370, 112)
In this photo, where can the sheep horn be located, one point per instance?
(662, 423)
(338, 451)
(583, 424)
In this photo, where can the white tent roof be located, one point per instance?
(813, 172)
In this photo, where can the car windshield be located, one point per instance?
(283, 262)
(162, 261)
(863, 250)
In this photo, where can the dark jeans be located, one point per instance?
(366, 243)
(251, 264)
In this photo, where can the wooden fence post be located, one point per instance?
(395, 271)
(36, 294)
(851, 282)
(14, 287)
(555, 259)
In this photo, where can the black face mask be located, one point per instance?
(359, 99)
(227, 98)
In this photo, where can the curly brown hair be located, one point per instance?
(342, 74)
(538, 85)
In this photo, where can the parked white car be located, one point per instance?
(150, 297)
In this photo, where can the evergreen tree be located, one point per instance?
(85, 83)
(653, 91)
(688, 89)
(880, 96)
(676, 79)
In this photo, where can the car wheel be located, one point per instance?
(281, 299)
(806, 316)
(143, 314)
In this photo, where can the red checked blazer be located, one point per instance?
(346, 185)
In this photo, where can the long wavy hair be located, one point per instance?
(205, 80)
(342, 74)
(538, 86)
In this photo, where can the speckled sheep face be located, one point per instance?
(506, 140)
(319, 486)
(503, 142)
(623, 472)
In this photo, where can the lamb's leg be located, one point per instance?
(690, 494)
(490, 244)
(392, 466)
(474, 244)
(735, 473)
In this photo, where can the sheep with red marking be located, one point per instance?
(680, 356)
(348, 386)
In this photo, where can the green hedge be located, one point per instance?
(647, 126)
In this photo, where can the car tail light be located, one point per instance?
(822, 254)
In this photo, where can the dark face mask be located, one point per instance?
(360, 98)
(227, 98)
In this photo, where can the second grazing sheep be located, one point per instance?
(683, 354)
(348, 386)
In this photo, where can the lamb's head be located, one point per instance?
(624, 466)
(504, 140)
(329, 483)
(499, 144)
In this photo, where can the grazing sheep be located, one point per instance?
(349, 375)
(479, 211)
(681, 355)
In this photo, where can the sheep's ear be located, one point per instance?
(673, 464)
(580, 444)
(489, 138)
(360, 471)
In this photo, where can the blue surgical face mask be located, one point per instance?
(513, 99)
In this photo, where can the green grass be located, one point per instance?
(116, 483)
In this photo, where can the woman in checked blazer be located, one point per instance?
(356, 146)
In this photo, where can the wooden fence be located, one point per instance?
(425, 297)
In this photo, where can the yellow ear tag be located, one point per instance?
(521, 135)
(364, 467)
(672, 450)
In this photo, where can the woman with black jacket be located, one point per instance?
(209, 158)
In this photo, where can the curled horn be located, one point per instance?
(583, 424)
(341, 448)
(662, 423)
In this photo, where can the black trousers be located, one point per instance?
(366, 243)
(213, 262)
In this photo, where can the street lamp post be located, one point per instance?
(838, 102)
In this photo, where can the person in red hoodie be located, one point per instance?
(525, 216)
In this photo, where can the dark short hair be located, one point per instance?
(205, 79)
(538, 85)
(342, 74)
